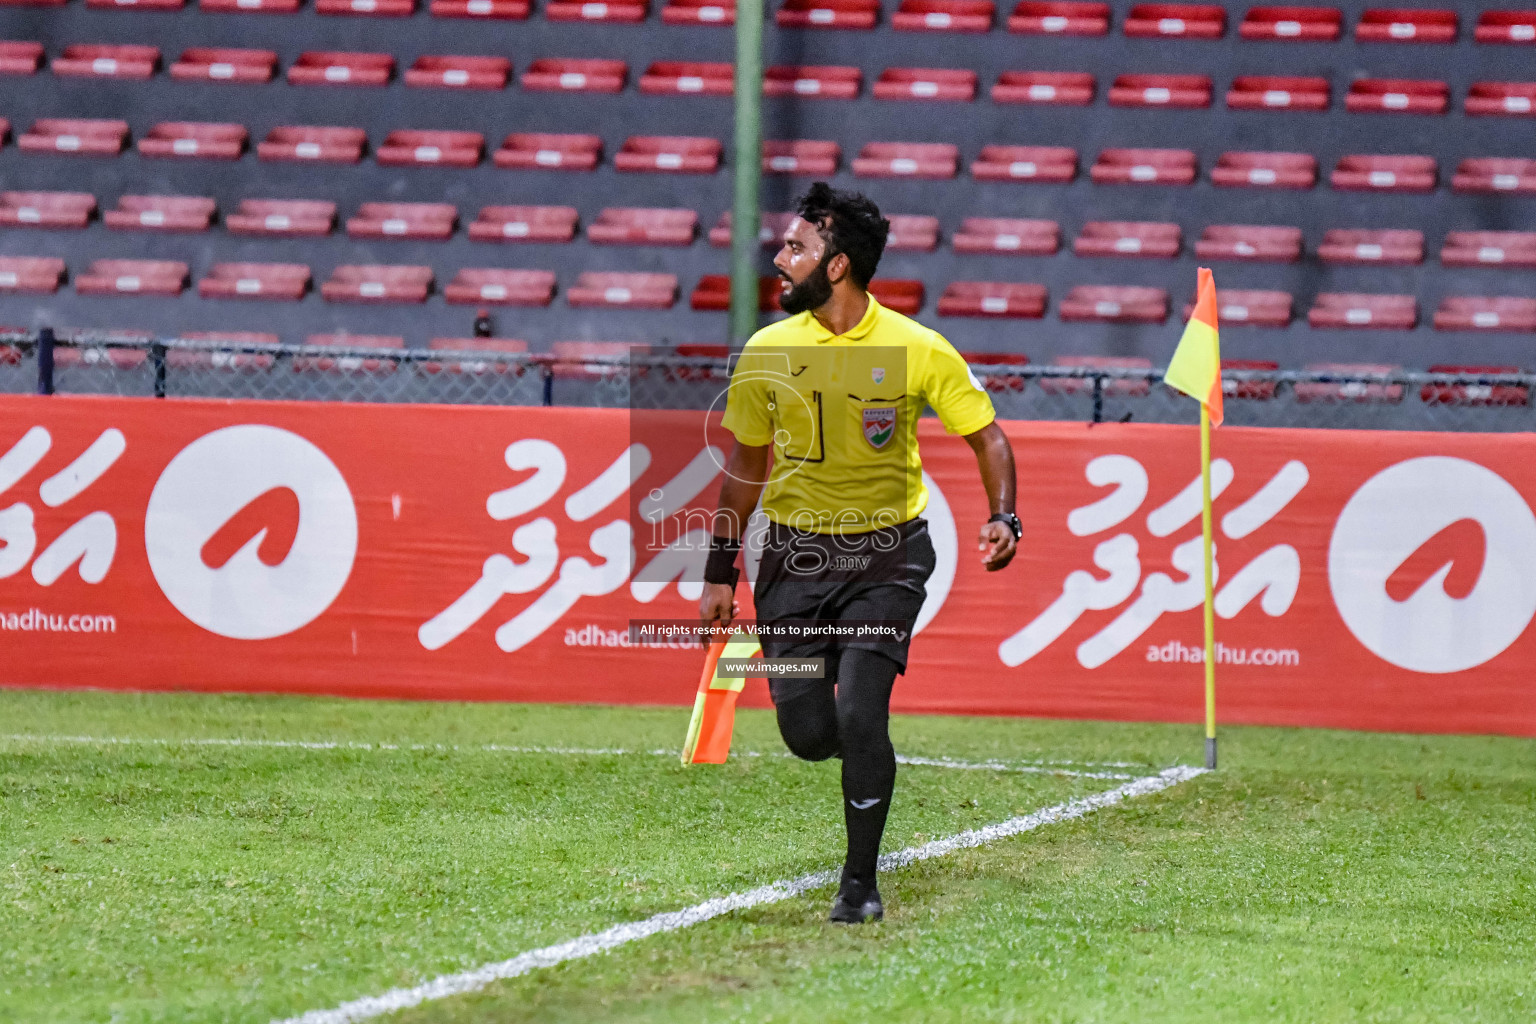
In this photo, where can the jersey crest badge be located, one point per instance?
(879, 425)
(877, 375)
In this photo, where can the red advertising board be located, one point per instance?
(1365, 580)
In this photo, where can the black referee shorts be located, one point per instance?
(879, 576)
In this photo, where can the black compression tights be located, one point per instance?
(855, 723)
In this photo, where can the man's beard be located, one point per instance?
(811, 293)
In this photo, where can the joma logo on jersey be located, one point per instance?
(879, 426)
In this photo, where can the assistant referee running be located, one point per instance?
(833, 394)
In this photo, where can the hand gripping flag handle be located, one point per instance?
(714, 708)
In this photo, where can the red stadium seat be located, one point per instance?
(36, 3)
(902, 296)
(75, 136)
(1271, 92)
(1397, 95)
(417, 148)
(194, 140)
(680, 77)
(631, 291)
(700, 351)
(1517, 27)
(993, 299)
(375, 283)
(20, 58)
(1489, 248)
(619, 11)
(1047, 164)
(37, 274)
(913, 233)
(1067, 19)
(925, 84)
(136, 5)
(119, 358)
(1386, 173)
(279, 282)
(1249, 308)
(453, 362)
(306, 142)
(565, 74)
(132, 277)
(1134, 386)
(1177, 21)
(299, 218)
(250, 6)
(223, 359)
(994, 381)
(1486, 313)
(1190, 91)
(1144, 167)
(454, 72)
(432, 222)
(1349, 390)
(1057, 88)
(593, 360)
(349, 363)
(1147, 240)
(1115, 304)
(540, 151)
(1004, 236)
(810, 157)
(699, 12)
(335, 67)
(98, 61)
(160, 213)
(1351, 245)
(217, 64)
(635, 226)
(498, 287)
(1357, 310)
(1495, 174)
(826, 83)
(1250, 242)
(1256, 389)
(1501, 99)
(1303, 24)
(367, 8)
(855, 14)
(524, 224)
(770, 230)
(1406, 25)
(943, 16)
(668, 154)
(1479, 394)
(713, 294)
(488, 10)
(907, 160)
(1265, 170)
(46, 209)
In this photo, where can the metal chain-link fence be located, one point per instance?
(105, 364)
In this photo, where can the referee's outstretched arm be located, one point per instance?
(994, 457)
(745, 473)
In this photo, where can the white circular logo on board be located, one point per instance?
(251, 532)
(1399, 572)
(946, 553)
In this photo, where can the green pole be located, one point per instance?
(749, 147)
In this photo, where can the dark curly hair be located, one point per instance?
(851, 224)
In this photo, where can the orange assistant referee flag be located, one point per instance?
(1196, 365)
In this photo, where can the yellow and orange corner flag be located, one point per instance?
(714, 709)
(1196, 370)
(1196, 366)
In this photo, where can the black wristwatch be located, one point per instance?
(1011, 521)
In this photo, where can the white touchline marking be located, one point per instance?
(1024, 767)
(478, 978)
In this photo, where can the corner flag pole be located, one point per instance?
(1195, 369)
(1210, 587)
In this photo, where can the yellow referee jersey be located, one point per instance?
(841, 413)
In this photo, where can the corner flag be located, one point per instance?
(1196, 365)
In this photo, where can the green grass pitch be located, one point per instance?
(1319, 876)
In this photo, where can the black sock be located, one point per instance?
(864, 683)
